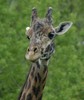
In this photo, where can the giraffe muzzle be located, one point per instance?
(33, 54)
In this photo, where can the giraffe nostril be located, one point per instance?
(35, 49)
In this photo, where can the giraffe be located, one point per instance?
(41, 35)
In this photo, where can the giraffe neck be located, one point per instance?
(35, 82)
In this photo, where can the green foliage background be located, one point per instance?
(66, 69)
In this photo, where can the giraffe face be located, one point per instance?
(41, 34)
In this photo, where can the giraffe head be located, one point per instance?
(41, 34)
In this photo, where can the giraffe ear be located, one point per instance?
(27, 29)
(63, 28)
(28, 33)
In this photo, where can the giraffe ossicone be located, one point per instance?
(41, 35)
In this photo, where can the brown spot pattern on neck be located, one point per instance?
(35, 82)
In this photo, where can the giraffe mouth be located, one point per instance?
(32, 56)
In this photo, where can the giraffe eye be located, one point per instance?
(28, 38)
(50, 35)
